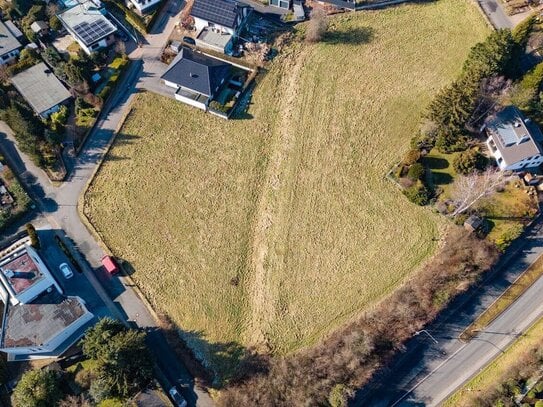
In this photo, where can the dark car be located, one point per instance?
(177, 398)
(189, 40)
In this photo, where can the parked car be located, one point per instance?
(66, 270)
(177, 398)
(110, 265)
(189, 40)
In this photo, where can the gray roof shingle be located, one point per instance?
(197, 71)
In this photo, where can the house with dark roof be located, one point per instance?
(196, 77)
(514, 141)
(218, 23)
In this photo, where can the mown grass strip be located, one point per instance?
(515, 290)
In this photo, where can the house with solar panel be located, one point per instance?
(218, 23)
(196, 77)
(88, 25)
(514, 141)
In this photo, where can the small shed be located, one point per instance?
(176, 46)
(473, 223)
(14, 30)
(531, 179)
(39, 27)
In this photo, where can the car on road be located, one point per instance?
(177, 398)
(66, 270)
(110, 265)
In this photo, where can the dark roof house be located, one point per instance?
(473, 223)
(221, 12)
(196, 72)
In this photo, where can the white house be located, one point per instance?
(38, 320)
(513, 140)
(9, 45)
(88, 25)
(196, 77)
(144, 6)
(218, 23)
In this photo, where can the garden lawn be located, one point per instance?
(273, 230)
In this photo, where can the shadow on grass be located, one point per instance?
(354, 36)
(441, 178)
(436, 163)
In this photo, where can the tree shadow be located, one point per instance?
(354, 36)
(441, 178)
(436, 163)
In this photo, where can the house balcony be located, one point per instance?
(214, 39)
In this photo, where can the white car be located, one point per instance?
(66, 270)
(177, 398)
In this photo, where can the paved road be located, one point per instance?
(496, 13)
(58, 204)
(427, 373)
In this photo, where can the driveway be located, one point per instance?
(427, 373)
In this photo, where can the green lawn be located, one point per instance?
(272, 230)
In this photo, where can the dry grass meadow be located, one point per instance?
(274, 229)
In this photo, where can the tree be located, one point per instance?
(34, 239)
(123, 362)
(55, 23)
(21, 6)
(469, 161)
(317, 26)
(470, 189)
(416, 171)
(37, 388)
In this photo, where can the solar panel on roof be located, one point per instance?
(92, 32)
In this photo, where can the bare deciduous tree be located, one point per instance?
(470, 189)
(5, 76)
(318, 24)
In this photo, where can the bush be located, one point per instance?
(317, 26)
(469, 161)
(418, 194)
(411, 157)
(339, 396)
(104, 93)
(507, 237)
(59, 118)
(527, 90)
(416, 171)
(55, 23)
(37, 388)
(34, 239)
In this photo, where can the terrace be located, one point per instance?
(21, 273)
(212, 39)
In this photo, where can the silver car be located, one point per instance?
(177, 398)
(66, 270)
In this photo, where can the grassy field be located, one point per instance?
(271, 230)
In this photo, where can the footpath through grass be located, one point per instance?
(274, 229)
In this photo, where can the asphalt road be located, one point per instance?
(58, 211)
(427, 373)
(496, 13)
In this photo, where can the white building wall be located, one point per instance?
(199, 24)
(191, 102)
(9, 57)
(147, 5)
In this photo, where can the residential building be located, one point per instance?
(513, 140)
(38, 320)
(196, 77)
(41, 89)
(144, 6)
(9, 45)
(88, 25)
(284, 4)
(218, 23)
(14, 30)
